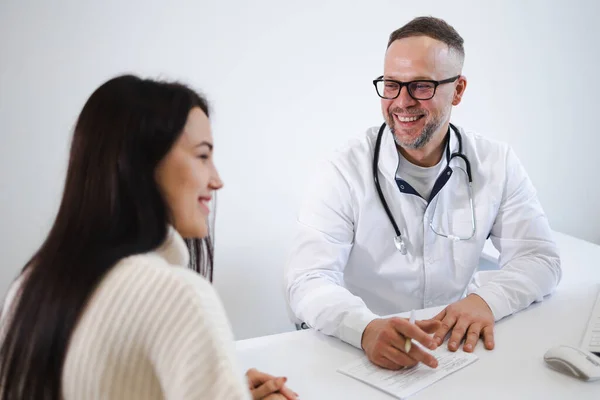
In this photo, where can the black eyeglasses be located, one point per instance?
(389, 89)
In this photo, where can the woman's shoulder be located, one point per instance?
(146, 308)
(150, 298)
(150, 278)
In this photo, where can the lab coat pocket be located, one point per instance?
(462, 225)
(463, 220)
(467, 251)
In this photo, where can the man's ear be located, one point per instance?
(461, 86)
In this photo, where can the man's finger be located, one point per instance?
(458, 333)
(420, 355)
(440, 316)
(416, 354)
(386, 363)
(406, 329)
(447, 324)
(429, 325)
(399, 357)
(472, 337)
(268, 387)
(488, 336)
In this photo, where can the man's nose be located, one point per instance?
(404, 100)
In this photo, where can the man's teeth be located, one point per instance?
(408, 119)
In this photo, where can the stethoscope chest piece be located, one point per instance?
(400, 245)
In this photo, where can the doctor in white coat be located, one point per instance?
(446, 190)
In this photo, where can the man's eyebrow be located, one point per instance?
(417, 78)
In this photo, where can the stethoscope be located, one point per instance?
(398, 239)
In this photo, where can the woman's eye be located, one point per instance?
(204, 156)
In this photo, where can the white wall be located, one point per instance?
(289, 82)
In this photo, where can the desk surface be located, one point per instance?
(515, 369)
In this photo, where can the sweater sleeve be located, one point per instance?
(193, 350)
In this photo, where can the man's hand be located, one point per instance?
(383, 342)
(468, 318)
(265, 386)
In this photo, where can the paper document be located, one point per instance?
(408, 381)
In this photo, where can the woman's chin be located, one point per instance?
(194, 231)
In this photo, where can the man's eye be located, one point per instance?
(424, 86)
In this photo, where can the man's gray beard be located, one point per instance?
(428, 131)
(424, 138)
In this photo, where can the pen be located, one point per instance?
(408, 342)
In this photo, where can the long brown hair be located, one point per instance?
(111, 208)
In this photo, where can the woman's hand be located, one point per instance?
(267, 387)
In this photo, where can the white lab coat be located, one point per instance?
(344, 270)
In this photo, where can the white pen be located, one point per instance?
(408, 342)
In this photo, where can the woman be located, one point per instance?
(107, 307)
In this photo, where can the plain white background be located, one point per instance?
(289, 82)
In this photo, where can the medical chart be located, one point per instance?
(408, 381)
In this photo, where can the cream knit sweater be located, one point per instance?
(153, 329)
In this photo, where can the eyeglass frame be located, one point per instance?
(402, 84)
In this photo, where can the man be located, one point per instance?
(353, 261)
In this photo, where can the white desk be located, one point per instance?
(514, 370)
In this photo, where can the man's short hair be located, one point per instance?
(434, 28)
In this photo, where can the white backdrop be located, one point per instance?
(289, 82)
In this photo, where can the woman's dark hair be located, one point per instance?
(111, 208)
